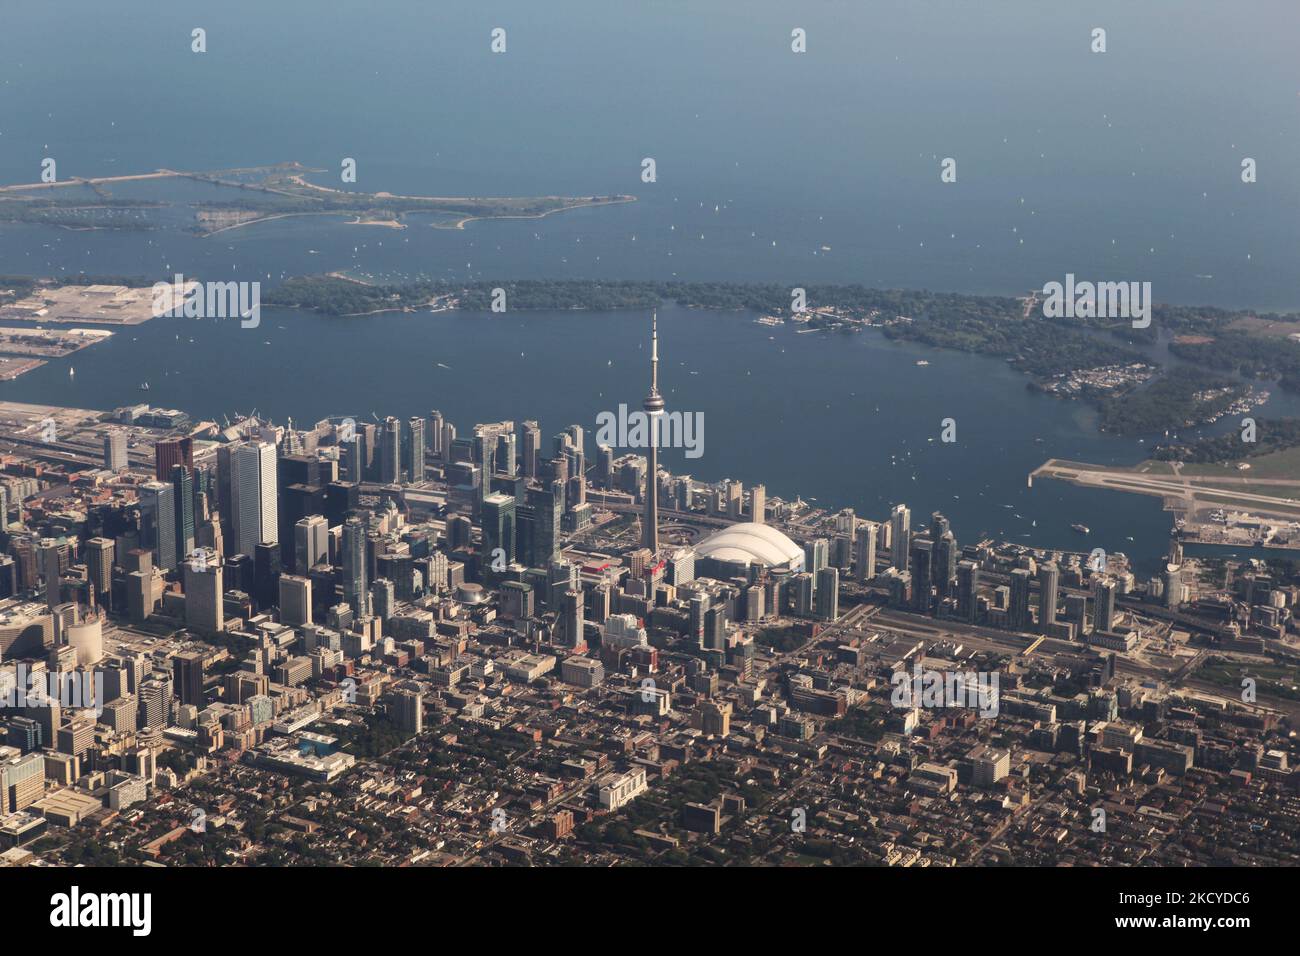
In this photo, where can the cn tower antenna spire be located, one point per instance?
(654, 408)
(654, 352)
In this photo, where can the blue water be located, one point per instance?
(1120, 165)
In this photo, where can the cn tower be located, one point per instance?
(654, 408)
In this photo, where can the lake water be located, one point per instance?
(848, 419)
(1121, 165)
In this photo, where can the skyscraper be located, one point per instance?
(1018, 612)
(433, 434)
(390, 452)
(182, 481)
(115, 450)
(204, 593)
(498, 532)
(539, 530)
(506, 456)
(171, 452)
(253, 496)
(53, 558)
(922, 568)
(900, 526)
(561, 576)
(448, 440)
(816, 555)
(715, 626)
(842, 551)
(355, 592)
(158, 522)
(654, 408)
(302, 482)
(827, 600)
(408, 710)
(352, 457)
(734, 492)
(383, 599)
(295, 600)
(571, 618)
(99, 568)
(945, 563)
(1076, 612)
(413, 453)
(698, 606)
(1103, 609)
(1049, 577)
(532, 448)
(604, 466)
(225, 489)
(576, 492)
(1173, 582)
(155, 700)
(310, 542)
(866, 548)
(486, 453)
(968, 582)
(266, 575)
(187, 677)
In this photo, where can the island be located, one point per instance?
(234, 198)
(1221, 371)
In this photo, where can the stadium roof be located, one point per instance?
(749, 542)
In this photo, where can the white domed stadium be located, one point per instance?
(750, 543)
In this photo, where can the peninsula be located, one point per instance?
(245, 196)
